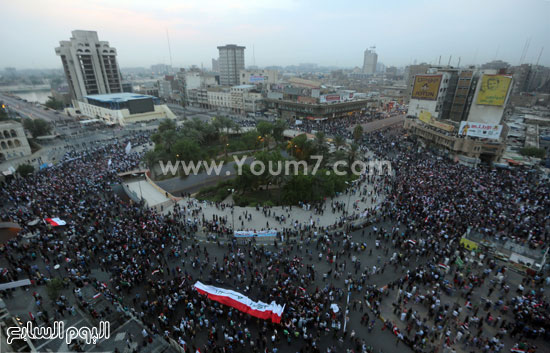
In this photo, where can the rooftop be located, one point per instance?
(117, 97)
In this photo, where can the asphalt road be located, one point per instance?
(31, 110)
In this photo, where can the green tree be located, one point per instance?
(357, 133)
(265, 128)
(37, 127)
(532, 152)
(246, 181)
(321, 148)
(166, 124)
(301, 147)
(54, 287)
(339, 141)
(187, 150)
(25, 169)
(278, 130)
(55, 104)
(353, 153)
(3, 112)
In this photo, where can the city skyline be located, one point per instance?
(330, 34)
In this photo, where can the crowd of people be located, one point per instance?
(338, 127)
(330, 279)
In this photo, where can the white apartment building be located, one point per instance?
(219, 99)
(90, 65)
(13, 142)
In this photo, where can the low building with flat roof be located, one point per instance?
(123, 108)
(291, 110)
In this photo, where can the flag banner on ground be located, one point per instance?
(97, 296)
(252, 233)
(242, 303)
(54, 222)
(15, 284)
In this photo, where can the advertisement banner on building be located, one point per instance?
(256, 79)
(426, 87)
(426, 117)
(494, 89)
(329, 98)
(489, 131)
(309, 100)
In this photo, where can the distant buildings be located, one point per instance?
(231, 61)
(495, 65)
(13, 142)
(161, 69)
(90, 65)
(215, 65)
(369, 61)
(531, 78)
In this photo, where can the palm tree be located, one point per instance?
(339, 141)
(352, 154)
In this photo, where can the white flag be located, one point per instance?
(128, 148)
(109, 163)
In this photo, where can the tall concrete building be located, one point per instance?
(230, 63)
(369, 62)
(90, 65)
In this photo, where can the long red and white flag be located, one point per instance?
(54, 222)
(242, 303)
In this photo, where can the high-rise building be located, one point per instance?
(215, 65)
(231, 61)
(90, 65)
(369, 62)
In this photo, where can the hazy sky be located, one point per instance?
(283, 32)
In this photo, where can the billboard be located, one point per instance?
(256, 79)
(426, 87)
(329, 98)
(426, 117)
(488, 131)
(494, 89)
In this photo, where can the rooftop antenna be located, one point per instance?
(439, 63)
(496, 54)
(458, 65)
(525, 49)
(169, 49)
(449, 63)
(540, 54)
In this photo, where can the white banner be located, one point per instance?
(252, 233)
(468, 128)
(272, 311)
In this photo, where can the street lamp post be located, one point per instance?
(349, 197)
(232, 210)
